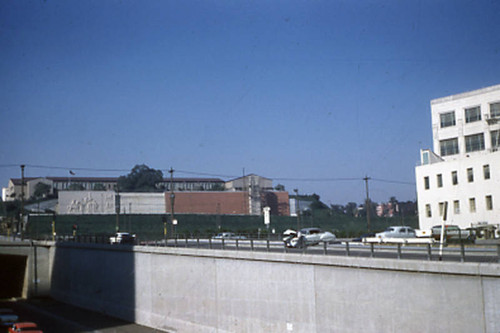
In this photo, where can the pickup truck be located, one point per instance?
(451, 232)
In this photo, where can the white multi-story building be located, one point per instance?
(462, 172)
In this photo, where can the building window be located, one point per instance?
(456, 207)
(495, 139)
(486, 171)
(426, 183)
(425, 158)
(439, 180)
(473, 114)
(474, 142)
(495, 110)
(447, 119)
(441, 208)
(449, 147)
(428, 211)
(489, 202)
(470, 175)
(454, 178)
(472, 205)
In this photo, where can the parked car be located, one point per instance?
(228, 235)
(122, 238)
(7, 317)
(25, 327)
(451, 232)
(306, 237)
(397, 232)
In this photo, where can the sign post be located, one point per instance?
(267, 219)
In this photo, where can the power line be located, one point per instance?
(392, 181)
(291, 179)
(317, 179)
(74, 168)
(202, 173)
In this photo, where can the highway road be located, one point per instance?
(52, 316)
(452, 252)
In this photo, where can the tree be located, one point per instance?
(351, 208)
(41, 190)
(99, 187)
(76, 187)
(141, 179)
(316, 203)
(280, 187)
(218, 187)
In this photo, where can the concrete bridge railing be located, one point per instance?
(186, 290)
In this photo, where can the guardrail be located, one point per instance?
(460, 252)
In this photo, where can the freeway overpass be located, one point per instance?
(208, 290)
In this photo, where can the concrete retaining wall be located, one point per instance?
(38, 270)
(189, 290)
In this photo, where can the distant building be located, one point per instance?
(462, 172)
(246, 195)
(255, 186)
(107, 202)
(13, 191)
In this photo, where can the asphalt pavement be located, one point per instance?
(52, 316)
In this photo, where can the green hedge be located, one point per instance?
(148, 227)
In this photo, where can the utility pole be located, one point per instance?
(21, 221)
(367, 204)
(172, 199)
(117, 207)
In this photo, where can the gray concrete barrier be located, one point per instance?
(193, 290)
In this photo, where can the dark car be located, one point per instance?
(360, 238)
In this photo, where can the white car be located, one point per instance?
(306, 237)
(397, 232)
(122, 238)
(228, 235)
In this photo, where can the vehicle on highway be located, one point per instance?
(397, 232)
(228, 235)
(7, 317)
(307, 237)
(360, 238)
(25, 327)
(122, 238)
(451, 232)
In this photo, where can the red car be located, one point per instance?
(24, 327)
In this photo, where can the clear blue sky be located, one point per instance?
(304, 92)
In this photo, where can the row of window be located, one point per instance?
(454, 177)
(474, 142)
(456, 206)
(472, 114)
